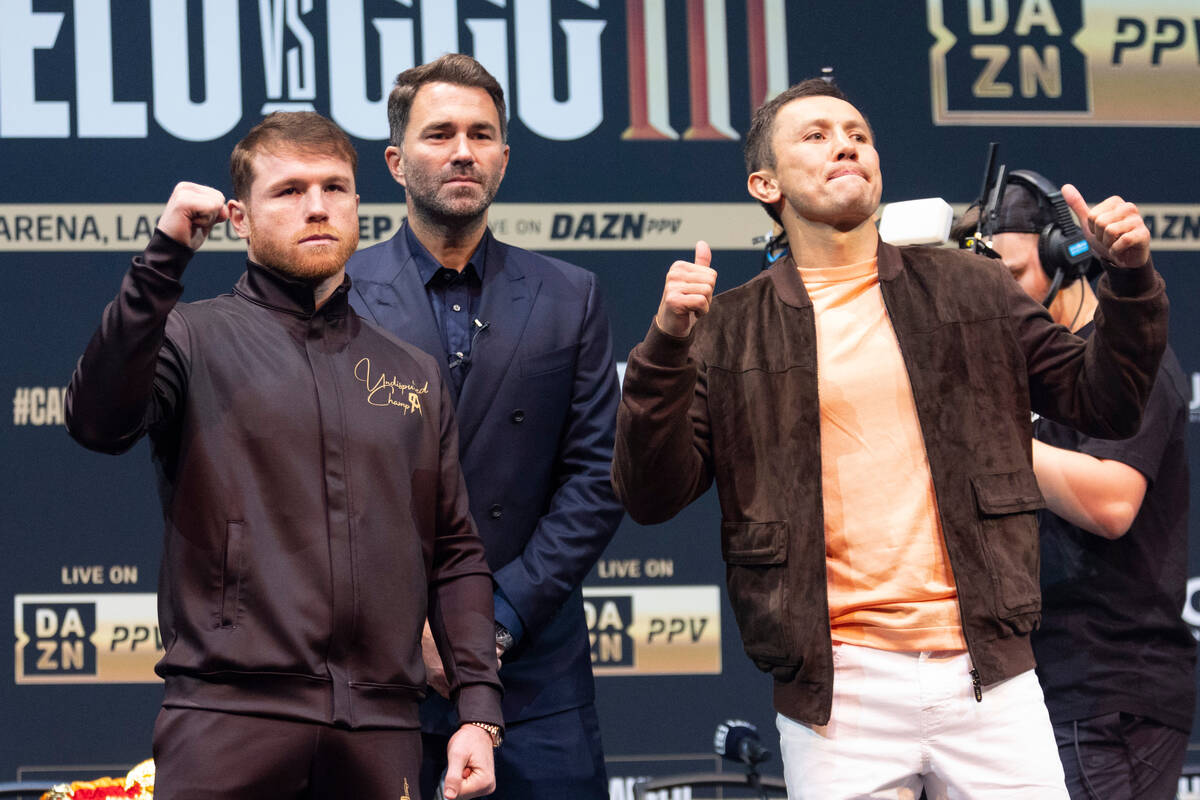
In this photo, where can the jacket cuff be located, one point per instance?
(166, 256)
(1133, 282)
(507, 616)
(479, 702)
(661, 348)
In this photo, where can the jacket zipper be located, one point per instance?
(976, 683)
(820, 475)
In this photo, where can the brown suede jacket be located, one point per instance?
(737, 402)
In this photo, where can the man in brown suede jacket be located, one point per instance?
(865, 413)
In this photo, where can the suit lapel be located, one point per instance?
(508, 295)
(404, 303)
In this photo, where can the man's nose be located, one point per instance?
(314, 204)
(462, 151)
(847, 147)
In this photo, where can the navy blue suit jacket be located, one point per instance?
(536, 418)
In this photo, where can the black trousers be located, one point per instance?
(556, 757)
(1121, 756)
(211, 755)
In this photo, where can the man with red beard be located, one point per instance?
(314, 505)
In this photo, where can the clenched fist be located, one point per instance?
(687, 294)
(191, 213)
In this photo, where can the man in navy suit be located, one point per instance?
(524, 345)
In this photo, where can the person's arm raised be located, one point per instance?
(687, 293)
(191, 212)
(1114, 227)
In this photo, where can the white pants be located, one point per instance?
(903, 721)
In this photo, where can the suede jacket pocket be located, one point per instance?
(755, 556)
(1006, 503)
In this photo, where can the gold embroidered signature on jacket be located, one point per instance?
(385, 391)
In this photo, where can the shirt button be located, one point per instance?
(518, 416)
(456, 307)
(495, 512)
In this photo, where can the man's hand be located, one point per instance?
(435, 673)
(191, 213)
(687, 294)
(1114, 228)
(470, 770)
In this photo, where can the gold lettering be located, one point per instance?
(46, 659)
(381, 389)
(986, 84)
(1045, 71)
(1037, 13)
(981, 24)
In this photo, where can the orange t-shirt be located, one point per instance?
(890, 582)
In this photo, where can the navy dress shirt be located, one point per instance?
(454, 298)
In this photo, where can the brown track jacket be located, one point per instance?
(314, 505)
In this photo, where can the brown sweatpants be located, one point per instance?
(213, 755)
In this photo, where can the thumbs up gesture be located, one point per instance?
(687, 294)
(1114, 228)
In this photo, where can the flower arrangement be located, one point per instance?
(138, 784)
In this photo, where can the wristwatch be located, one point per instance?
(504, 638)
(493, 731)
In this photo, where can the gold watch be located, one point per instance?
(493, 731)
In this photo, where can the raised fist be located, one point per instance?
(191, 212)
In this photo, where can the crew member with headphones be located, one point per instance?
(1115, 658)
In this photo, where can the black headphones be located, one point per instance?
(1063, 250)
(1062, 247)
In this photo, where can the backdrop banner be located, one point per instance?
(627, 125)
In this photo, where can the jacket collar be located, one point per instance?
(790, 286)
(428, 266)
(268, 287)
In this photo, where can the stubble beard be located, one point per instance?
(298, 262)
(456, 208)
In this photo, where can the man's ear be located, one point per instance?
(395, 163)
(239, 217)
(763, 187)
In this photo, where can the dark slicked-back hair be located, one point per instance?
(758, 151)
(453, 68)
(288, 131)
